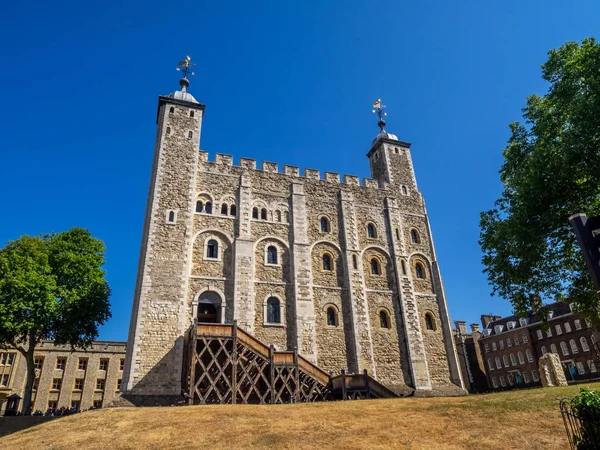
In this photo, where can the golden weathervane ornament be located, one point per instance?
(379, 110)
(184, 66)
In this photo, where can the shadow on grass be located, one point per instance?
(9, 425)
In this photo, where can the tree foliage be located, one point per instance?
(52, 287)
(551, 170)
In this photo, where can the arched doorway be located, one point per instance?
(209, 308)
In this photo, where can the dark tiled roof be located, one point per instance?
(558, 308)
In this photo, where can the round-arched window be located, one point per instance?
(429, 324)
(324, 225)
(212, 249)
(414, 236)
(273, 310)
(371, 232)
(271, 255)
(375, 268)
(419, 271)
(384, 319)
(326, 261)
(332, 317)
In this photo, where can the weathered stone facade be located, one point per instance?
(345, 272)
(66, 378)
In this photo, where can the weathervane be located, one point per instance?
(379, 110)
(184, 66)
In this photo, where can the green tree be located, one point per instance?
(51, 287)
(551, 170)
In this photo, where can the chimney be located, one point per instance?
(461, 326)
(475, 328)
(485, 319)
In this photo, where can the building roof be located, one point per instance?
(183, 95)
(384, 135)
(558, 309)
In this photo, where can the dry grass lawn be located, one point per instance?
(527, 419)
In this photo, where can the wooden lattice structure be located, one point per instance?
(227, 365)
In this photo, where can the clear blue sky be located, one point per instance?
(290, 82)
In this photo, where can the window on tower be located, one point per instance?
(191, 113)
(171, 110)
(324, 225)
(326, 261)
(233, 210)
(414, 236)
(255, 213)
(263, 214)
(371, 232)
(375, 269)
(199, 206)
(190, 134)
(208, 208)
(212, 249)
(224, 209)
(168, 130)
(419, 272)
(272, 255)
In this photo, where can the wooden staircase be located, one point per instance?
(225, 364)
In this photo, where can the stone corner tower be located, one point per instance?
(155, 345)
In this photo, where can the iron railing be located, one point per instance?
(582, 427)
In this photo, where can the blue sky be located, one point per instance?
(290, 82)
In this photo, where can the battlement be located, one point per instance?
(222, 160)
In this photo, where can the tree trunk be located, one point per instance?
(26, 408)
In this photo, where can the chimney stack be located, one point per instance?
(475, 328)
(461, 326)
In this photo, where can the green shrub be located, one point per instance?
(586, 406)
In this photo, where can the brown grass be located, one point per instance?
(519, 419)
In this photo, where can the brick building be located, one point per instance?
(65, 378)
(511, 347)
(346, 272)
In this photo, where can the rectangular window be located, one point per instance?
(61, 363)
(502, 381)
(592, 366)
(549, 332)
(122, 364)
(118, 385)
(493, 346)
(38, 362)
(508, 342)
(52, 405)
(100, 384)
(82, 365)
(516, 338)
(78, 384)
(580, 368)
(526, 377)
(56, 384)
(97, 403)
(539, 334)
(4, 380)
(558, 328)
(501, 344)
(495, 382)
(535, 375)
(103, 364)
(577, 324)
(487, 348)
(525, 340)
(567, 327)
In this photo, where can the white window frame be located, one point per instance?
(544, 350)
(558, 329)
(506, 361)
(554, 349)
(529, 355)
(577, 324)
(535, 375)
(209, 237)
(526, 377)
(495, 382)
(564, 348)
(279, 253)
(567, 326)
(494, 346)
(540, 335)
(521, 358)
(508, 342)
(513, 359)
(281, 311)
(584, 345)
(498, 363)
(524, 337)
(592, 366)
(580, 368)
(501, 344)
(487, 348)
(573, 345)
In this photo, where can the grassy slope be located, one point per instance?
(518, 419)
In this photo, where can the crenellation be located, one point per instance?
(370, 183)
(312, 174)
(291, 170)
(226, 160)
(351, 180)
(332, 177)
(248, 163)
(203, 156)
(269, 167)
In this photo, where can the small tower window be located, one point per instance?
(255, 213)
(273, 310)
(414, 236)
(208, 208)
(397, 234)
(286, 216)
(332, 317)
(190, 134)
(171, 110)
(168, 130)
(429, 322)
(324, 225)
(404, 190)
(263, 214)
(224, 209)
(278, 216)
(375, 269)
(354, 262)
(171, 216)
(396, 151)
(199, 206)
(212, 249)
(232, 210)
(384, 319)
(419, 272)
(403, 267)
(191, 113)
(371, 231)
(326, 262)
(272, 255)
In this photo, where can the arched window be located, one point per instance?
(354, 262)
(404, 190)
(529, 355)
(505, 359)
(273, 310)
(414, 236)
(371, 231)
(558, 328)
(508, 342)
(384, 319)
(224, 209)
(573, 345)
(191, 113)
(208, 208)
(553, 349)
(584, 345)
(286, 217)
(171, 216)
(490, 364)
(419, 272)
(513, 359)
(564, 348)
(403, 267)
(324, 225)
(521, 358)
(212, 249)
(199, 206)
(271, 255)
(263, 214)
(498, 363)
(232, 210)
(544, 350)
(168, 130)
(375, 270)
(171, 110)
(326, 261)
(190, 134)
(278, 216)
(567, 327)
(255, 213)
(429, 322)
(332, 317)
